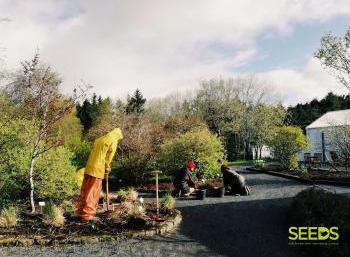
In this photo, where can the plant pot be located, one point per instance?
(219, 192)
(200, 194)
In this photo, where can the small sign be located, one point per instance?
(41, 203)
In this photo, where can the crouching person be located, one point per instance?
(233, 182)
(183, 182)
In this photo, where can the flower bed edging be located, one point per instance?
(304, 180)
(166, 226)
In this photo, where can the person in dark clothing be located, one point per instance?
(234, 182)
(183, 182)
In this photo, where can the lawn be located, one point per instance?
(241, 163)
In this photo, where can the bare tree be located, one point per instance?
(338, 141)
(334, 54)
(36, 89)
(229, 105)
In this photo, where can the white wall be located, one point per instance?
(314, 136)
(265, 153)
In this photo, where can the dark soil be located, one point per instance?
(163, 186)
(211, 186)
(31, 225)
(322, 175)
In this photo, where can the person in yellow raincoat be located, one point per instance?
(98, 164)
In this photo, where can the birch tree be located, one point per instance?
(338, 141)
(37, 89)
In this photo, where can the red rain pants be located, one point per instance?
(89, 197)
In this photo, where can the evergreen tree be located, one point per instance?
(91, 110)
(135, 103)
(303, 114)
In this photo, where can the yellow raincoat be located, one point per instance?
(102, 153)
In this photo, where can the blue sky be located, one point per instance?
(294, 50)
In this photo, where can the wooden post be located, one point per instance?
(156, 172)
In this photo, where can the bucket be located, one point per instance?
(219, 192)
(200, 194)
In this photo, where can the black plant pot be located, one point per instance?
(200, 194)
(220, 192)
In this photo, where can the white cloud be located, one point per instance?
(156, 45)
(309, 83)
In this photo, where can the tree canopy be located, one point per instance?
(303, 114)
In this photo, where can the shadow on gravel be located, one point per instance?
(272, 181)
(252, 228)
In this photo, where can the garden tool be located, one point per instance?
(107, 189)
(156, 172)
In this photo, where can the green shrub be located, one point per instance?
(285, 143)
(53, 215)
(317, 207)
(121, 193)
(201, 146)
(15, 147)
(57, 179)
(8, 217)
(81, 155)
(259, 163)
(302, 171)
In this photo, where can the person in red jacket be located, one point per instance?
(183, 182)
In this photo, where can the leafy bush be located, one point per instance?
(57, 178)
(121, 193)
(302, 171)
(285, 143)
(8, 217)
(167, 202)
(316, 207)
(259, 163)
(15, 146)
(81, 154)
(200, 145)
(53, 215)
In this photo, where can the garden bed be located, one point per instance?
(30, 228)
(312, 176)
(211, 186)
(151, 187)
(129, 216)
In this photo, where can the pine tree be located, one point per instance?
(136, 103)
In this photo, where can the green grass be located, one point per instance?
(241, 163)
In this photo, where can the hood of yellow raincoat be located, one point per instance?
(102, 153)
(115, 134)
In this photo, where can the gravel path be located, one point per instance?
(230, 226)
